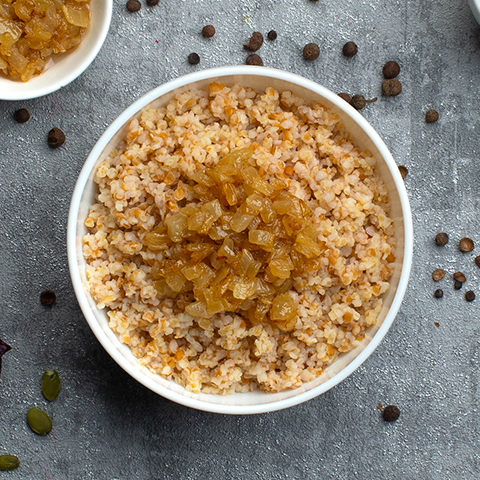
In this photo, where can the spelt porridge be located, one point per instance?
(239, 240)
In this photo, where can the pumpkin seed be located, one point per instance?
(9, 462)
(50, 384)
(39, 421)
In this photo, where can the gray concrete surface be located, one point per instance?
(106, 425)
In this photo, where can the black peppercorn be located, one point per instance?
(457, 285)
(469, 296)
(255, 42)
(194, 59)
(431, 116)
(477, 261)
(350, 49)
(133, 5)
(391, 413)
(22, 115)
(272, 35)
(152, 3)
(254, 59)
(56, 138)
(391, 87)
(438, 293)
(311, 51)
(208, 31)
(48, 297)
(391, 69)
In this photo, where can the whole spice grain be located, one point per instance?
(9, 462)
(466, 244)
(391, 87)
(477, 261)
(255, 42)
(350, 49)
(358, 101)
(133, 6)
(22, 115)
(345, 97)
(311, 51)
(431, 116)
(194, 59)
(152, 3)
(254, 59)
(39, 421)
(457, 285)
(441, 239)
(469, 296)
(438, 293)
(391, 413)
(460, 277)
(438, 274)
(391, 69)
(403, 171)
(208, 31)
(272, 35)
(47, 297)
(56, 138)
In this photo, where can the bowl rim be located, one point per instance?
(80, 291)
(81, 66)
(475, 7)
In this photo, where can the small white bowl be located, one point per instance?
(475, 6)
(363, 135)
(68, 66)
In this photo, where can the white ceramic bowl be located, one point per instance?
(363, 135)
(68, 66)
(475, 6)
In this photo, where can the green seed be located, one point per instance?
(39, 421)
(9, 462)
(50, 384)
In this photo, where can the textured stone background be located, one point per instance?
(106, 425)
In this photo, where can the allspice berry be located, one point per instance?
(391, 413)
(56, 137)
(133, 6)
(311, 51)
(391, 87)
(350, 49)
(208, 31)
(345, 97)
(391, 69)
(466, 244)
(22, 115)
(254, 59)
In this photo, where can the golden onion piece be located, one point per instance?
(237, 245)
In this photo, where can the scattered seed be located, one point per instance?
(272, 35)
(466, 244)
(441, 239)
(254, 59)
(51, 384)
(133, 5)
(438, 293)
(311, 51)
(391, 413)
(194, 59)
(438, 274)
(379, 406)
(255, 42)
(477, 261)
(9, 462)
(457, 285)
(4, 348)
(22, 115)
(460, 277)
(391, 69)
(345, 97)
(403, 171)
(431, 116)
(391, 87)
(47, 297)
(56, 138)
(469, 296)
(39, 421)
(208, 31)
(350, 49)
(152, 3)
(436, 324)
